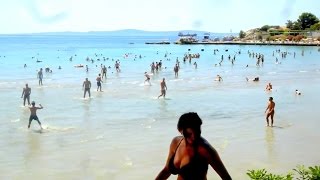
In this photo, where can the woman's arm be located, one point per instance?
(216, 163)
(165, 173)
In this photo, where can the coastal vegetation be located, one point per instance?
(305, 28)
(303, 31)
(299, 173)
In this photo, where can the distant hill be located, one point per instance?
(133, 32)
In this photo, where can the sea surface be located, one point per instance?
(125, 131)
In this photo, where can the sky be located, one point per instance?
(33, 16)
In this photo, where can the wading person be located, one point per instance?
(147, 78)
(33, 114)
(26, 94)
(99, 81)
(86, 85)
(163, 88)
(270, 111)
(40, 76)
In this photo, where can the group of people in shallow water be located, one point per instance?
(190, 154)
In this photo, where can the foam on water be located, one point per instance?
(15, 120)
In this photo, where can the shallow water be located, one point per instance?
(124, 132)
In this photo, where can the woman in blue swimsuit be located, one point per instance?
(190, 154)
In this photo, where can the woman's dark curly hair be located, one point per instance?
(190, 120)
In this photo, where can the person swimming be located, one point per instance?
(269, 87)
(78, 66)
(254, 79)
(298, 92)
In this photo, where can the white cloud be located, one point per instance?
(104, 15)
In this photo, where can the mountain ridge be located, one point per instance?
(122, 32)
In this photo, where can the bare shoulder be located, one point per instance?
(206, 148)
(175, 141)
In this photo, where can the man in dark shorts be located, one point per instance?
(33, 115)
(26, 95)
(117, 65)
(86, 85)
(99, 82)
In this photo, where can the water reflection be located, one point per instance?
(269, 137)
(33, 147)
(163, 105)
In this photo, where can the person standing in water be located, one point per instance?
(40, 76)
(176, 70)
(104, 72)
(270, 111)
(117, 65)
(33, 115)
(86, 85)
(26, 95)
(163, 87)
(99, 82)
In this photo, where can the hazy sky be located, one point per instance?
(30, 16)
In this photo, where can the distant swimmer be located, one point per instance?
(99, 81)
(270, 111)
(25, 65)
(33, 115)
(254, 79)
(86, 85)
(298, 92)
(163, 87)
(218, 78)
(78, 66)
(40, 76)
(26, 94)
(147, 78)
(269, 87)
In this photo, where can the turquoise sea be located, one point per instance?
(124, 132)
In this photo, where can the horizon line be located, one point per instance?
(111, 31)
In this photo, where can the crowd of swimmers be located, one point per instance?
(190, 154)
(155, 67)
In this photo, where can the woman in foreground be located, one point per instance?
(190, 154)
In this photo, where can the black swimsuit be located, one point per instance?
(196, 169)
